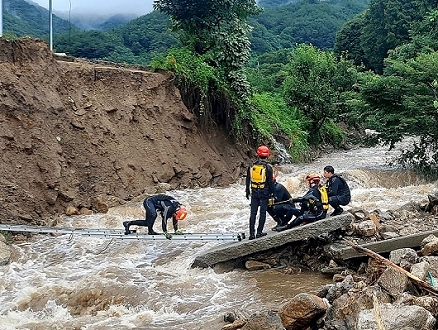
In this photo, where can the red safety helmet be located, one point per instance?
(263, 152)
(181, 213)
(313, 178)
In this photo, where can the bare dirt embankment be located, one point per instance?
(91, 136)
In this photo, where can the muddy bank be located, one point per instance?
(87, 136)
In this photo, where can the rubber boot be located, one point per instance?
(152, 232)
(281, 228)
(126, 225)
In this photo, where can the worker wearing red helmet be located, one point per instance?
(167, 205)
(314, 204)
(260, 186)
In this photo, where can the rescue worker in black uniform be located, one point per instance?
(338, 190)
(167, 205)
(312, 206)
(283, 208)
(260, 186)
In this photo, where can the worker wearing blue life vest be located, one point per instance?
(167, 205)
(260, 186)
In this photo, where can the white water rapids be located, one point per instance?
(54, 282)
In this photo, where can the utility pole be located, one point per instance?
(1, 18)
(51, 24)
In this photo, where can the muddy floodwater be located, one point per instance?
(89, 283)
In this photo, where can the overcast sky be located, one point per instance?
(139, 7)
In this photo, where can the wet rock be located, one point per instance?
(302, 310)
(71, 210)
(256, 265)
(420, 270)
(388, 235)
(230, 317)
(359, 214)
(394, 282)
(237, 324)
(99, 204)
(407, 254)
(428, 239)
(85, 211)
(366, 228)
(430, 248)
(433, 262)
(428, 303)
(343, 313)
(340, 288)
(264, 321)
(5, 252)
(396, 317)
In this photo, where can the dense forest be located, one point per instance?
(298, 73)
(140, 40)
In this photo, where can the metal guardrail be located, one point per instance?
(120, 234)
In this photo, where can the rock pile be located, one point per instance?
(399, 292)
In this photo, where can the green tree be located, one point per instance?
(217, 27)
(347, 42)
(320, 87)
(92, 45)
(403, 103)
(368, 38)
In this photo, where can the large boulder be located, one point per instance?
(302, 310)
(396, 317)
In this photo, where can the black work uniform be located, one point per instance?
(282, 212)
(259, 198)
(312, 209)
(338, 191)
(165, 204)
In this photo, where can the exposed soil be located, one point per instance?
(89, 136)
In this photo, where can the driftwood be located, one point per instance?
(424, 285)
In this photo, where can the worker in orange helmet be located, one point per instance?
(167, 205)
(314, 204)
(260, 186)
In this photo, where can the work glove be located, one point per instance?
(168, 235)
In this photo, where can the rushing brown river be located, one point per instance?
(90, 283)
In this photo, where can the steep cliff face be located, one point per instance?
(88, 135)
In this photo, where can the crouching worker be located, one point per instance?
(281, 209)
(314, 204)
(167, 205)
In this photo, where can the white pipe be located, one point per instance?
(1, 18)
(50, 24)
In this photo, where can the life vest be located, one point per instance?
(312, 200)
(258, 176)
(324, 197)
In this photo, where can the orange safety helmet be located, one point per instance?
(313, 178)
(263, 152)
(181, 213)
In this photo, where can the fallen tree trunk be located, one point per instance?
(424, 285)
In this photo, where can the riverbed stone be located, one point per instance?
(420, 270)
(396, 317)
(303, 309)
(5, 253)
(264, 321)
(366, 228)
(433, 262)
(256, 265)
(407, 254)
(393, 281)
(430, 249)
